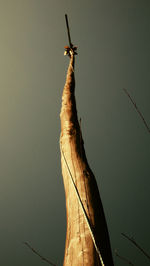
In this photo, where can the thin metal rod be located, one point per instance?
(68, 31)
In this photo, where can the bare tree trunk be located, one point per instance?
(87, 239)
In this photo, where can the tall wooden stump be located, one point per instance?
(87, 239)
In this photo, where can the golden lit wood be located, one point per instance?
(86, 244)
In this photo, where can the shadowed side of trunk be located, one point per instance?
(81, 190)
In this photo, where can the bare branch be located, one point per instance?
(137, 245)
(42, 258)
(137, 109)
(123, 258)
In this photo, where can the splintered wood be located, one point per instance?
(87, 239)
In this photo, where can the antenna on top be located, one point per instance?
(68, 30)
(71, 47)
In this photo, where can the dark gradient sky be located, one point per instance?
(113, 39)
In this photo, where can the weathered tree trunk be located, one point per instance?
(87, 239)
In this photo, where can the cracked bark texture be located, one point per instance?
(79, 248)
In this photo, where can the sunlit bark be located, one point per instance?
(81, 190)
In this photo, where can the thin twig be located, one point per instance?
(137, 245)
(123, 258)
(38, 254)
(137, 109)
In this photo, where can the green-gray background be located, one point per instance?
(113, 39)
